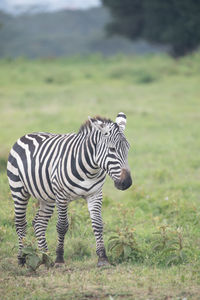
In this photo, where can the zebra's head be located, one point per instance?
(112, 149)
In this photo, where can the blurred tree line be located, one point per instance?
(171, 22)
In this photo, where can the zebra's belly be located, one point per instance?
(83, 189)
(70, 192)
(44, 193)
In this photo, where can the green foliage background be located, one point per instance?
(174, 22)
(63, 33)
(161, 99)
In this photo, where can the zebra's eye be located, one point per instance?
(112, 149)
(106, 133)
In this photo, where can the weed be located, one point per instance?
(169, 246)
(123, 246)
(34, 258)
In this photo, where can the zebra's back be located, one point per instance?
(32, 162)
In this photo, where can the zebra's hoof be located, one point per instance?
(59, 262)
(103, 262)
(59, 265)
(21, 261)
(59, 259)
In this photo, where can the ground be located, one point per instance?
(159, 214)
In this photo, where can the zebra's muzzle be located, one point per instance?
(125, 180)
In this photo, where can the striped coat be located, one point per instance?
(59, 168)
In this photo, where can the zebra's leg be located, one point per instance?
(40, 223)
(62, 227)
(94, 207)
(20, 198)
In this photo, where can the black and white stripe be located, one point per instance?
(58, 168)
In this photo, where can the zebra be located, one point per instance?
(59, 168)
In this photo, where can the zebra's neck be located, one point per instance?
(86, 150)
(80, 156)
(78, 172)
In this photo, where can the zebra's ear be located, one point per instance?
(100, 125)
(121, 120)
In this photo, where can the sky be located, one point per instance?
(15, 6)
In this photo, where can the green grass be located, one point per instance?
(161, 99)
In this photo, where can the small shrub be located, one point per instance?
(168, 246)
(34, 257)
(145, 78)
(123, 246)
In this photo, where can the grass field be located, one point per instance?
(159, 214)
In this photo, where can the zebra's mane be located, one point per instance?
(87, 125)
